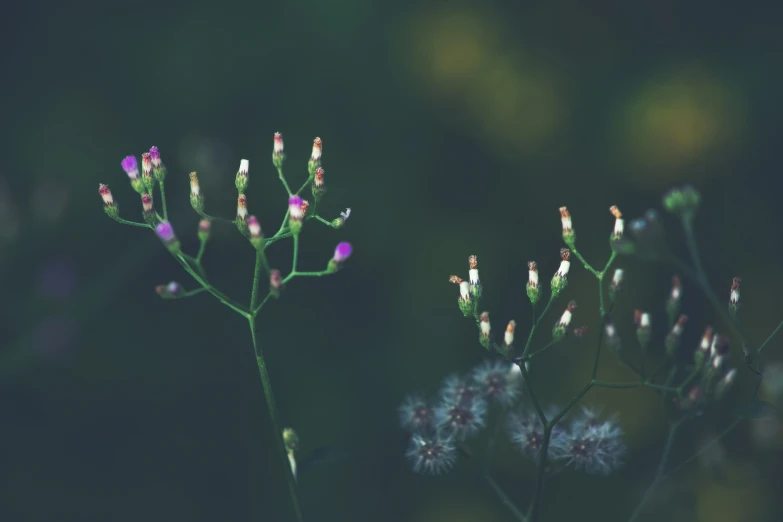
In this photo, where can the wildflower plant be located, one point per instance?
(690, 380)
(298, 211)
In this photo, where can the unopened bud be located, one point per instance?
(204, 229)
(508, 338)
(464, 301)
(569, 236)
(254, 228)
(278, 154)
(109, 206)
(682, 201)
(166, 234)
(242, 214)
(719, 350)
(148, 211)
(725, 384)
(561, 328)
(484, 330)
(196, 199)
(319, 186)
(473, 277)
(560, 279)
(617, 283)
(619, 223)
(533, 291)
(295, 214)
(612, 337)
(705, 345)
(643, 331)
(275, 282)
(291, 443)
(242, 177)
(341, 253)
(673, 303)
(146, 171)
(158, 169)
(734, 297)
(672, 341)
(315, 157)
(173, 290)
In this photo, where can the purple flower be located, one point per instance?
(295, 208)
(155, 156)
(165, 232)
(174, 288)
(131, 167)
(342, 252)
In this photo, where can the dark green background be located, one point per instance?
(450, 129)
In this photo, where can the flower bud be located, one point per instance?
(158, 169)
(241, 220)
(533, 291)
(473, 277)
(166, 234)
(242, 179)
(173, 290)
(617, 283)
(725, 383)
(484, 330)
(642, 321)
(464, 300)
(319, 186)
(508, 338)
(148, 211)
(315, 157)
(734, 297)
(146, 171)
(278, 154)
(673, 303)
(204, 228)
(254, 228)
(560, 279)
(295, 214)
(109, 206)
(703, 351)
(131, 168)
(719, 350)
(672, 341)
(619, 223)
(682, 201)
(342, 252)
(196, 199)
(561, 327)
(291, 443)
(612, 337)
(569, 236)
(275, 282)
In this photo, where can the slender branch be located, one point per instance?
(212, 290)
(131, 223)
(707, 446)
(296, 254)
(536, 322)
(197, 291)
(215, 218)
(322, 220)
(267, 385)
(282, 179)
(163, 201)
(661, 468)
(770, 336)
(584, 261)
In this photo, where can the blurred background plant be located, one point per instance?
(466, 124)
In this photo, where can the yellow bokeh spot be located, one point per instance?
(676, 121)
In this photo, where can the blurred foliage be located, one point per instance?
(450, 128)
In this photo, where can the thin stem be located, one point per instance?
(131, 223)
(215, 218)
(272, 407)
(265, 381)
(212, 290)
(584, 261)
(296, 254)
(537, 352)
(532, 394)
(194, 292)
(661, 468)
(322, 220)
(201, 248)
(282, 179)
(163, 201)
(707, 446)
(536, 322)
(769, 338)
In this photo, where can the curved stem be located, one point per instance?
(220, 296)
(769, 338)
(131, 223)
(536, 322)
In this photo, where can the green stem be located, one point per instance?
(536, 322)
(769, 338)
(584, 261)
(131, 223)
(194, 292)
(322, 220)
(267, 385)
(163, 201)
(215, 218)
(661, 468)
(282, 179)
(272, 407)
(537, 352)
(220, 296)
(296, 254)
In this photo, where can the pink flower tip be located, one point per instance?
(342, 252)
